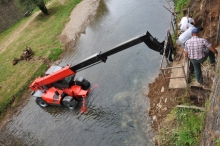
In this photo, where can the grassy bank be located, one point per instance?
(41, 35)
(182, 127)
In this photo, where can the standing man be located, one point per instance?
(198, 50)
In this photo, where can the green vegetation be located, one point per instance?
(55, 52)
(41, 35)
(181, 4)
(217, 142)
(183, 128)
(189, 126)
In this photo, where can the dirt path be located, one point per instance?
(16, 34)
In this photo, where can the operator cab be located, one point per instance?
(65, 83)
(61, 84)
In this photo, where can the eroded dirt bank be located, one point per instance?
(163, 102)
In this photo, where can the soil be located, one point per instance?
(163, 102)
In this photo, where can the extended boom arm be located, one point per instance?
(41, 82)
(102, 57)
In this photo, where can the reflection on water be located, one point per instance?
(102, 11)
(117, 106)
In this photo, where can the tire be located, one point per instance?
(70, 102)
(85, 84)
(80, 81)
(41, 102)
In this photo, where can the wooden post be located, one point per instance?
(172, 27)
(184, 74)
(164, 79)
(192, 107)
(217, 36)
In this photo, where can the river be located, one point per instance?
(118, 103)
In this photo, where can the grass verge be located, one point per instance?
(41, 35)
(183, 128)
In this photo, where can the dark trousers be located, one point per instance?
(197, 64)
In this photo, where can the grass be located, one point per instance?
(41, 35)
(181, 4)
(217, 142)
(190, 126)
(183, 127)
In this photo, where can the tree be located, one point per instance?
(40, 3)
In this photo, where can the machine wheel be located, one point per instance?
(41, 102)
(70, 102)
(85, 84)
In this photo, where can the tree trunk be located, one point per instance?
(43, 8)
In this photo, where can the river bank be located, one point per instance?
(205, 13)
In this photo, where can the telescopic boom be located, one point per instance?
(41, 82)
(102, 57)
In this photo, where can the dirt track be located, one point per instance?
(14, 36)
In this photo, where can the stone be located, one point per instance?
(154, 118)
(162, 89)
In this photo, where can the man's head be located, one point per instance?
(195, 31)
(185, 13)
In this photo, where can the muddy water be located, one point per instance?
(117, 105)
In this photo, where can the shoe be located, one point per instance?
(212, 64)
(205, 87)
